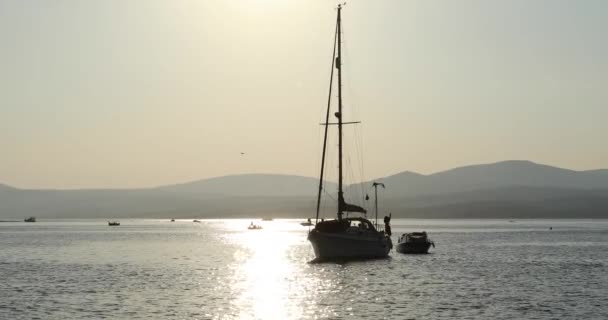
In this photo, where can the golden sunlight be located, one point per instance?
(259, 7)
(264, 269)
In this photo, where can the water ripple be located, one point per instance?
(219, 270)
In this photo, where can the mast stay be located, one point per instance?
(331, 79)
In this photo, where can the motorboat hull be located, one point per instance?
(350, 246)
(413, 248)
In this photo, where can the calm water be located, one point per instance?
(481, 269)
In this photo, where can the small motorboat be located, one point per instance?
(197, 221)
(30, 219)
(308, 223)
(254, 226)
(113, 223)
(415, 242)
(172, 220)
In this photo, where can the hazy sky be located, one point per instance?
(116, 93)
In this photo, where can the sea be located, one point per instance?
(218, 269)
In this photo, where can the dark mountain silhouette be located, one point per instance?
(509, 189)
(504, 202)
(492, 176)
(4, 187)
(249, 185)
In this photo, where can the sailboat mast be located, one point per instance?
(339, 115)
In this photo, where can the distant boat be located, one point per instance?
(308, 223)
(197, 221)
(172, 220)
(266, 219)
(415, 242)
(113, 223)
(254, 226)
(350, 237)
(30, 219)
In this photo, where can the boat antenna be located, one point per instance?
(375, 185)
(331, 78)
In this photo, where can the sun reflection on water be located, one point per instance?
(265, 271)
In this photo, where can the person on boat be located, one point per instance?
(362, 226)
(387, 224)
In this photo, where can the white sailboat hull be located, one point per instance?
(349, 245)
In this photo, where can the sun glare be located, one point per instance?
(263, 271)
(260, 7)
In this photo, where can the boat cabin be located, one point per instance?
(346, 225)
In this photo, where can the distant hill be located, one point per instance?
(492, 176)
(504, 202)
(247, 185)
(509, 189)
(4, 187)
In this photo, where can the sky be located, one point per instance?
(124, 94)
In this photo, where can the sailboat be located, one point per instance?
(344, 237)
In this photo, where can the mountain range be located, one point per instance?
(508, 189)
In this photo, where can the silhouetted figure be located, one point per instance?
(387, 224)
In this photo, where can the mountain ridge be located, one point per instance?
(409, 174)
(494, 175)
(503, 189)
(251, 184)
(6, 187)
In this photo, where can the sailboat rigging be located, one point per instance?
(343, 237)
